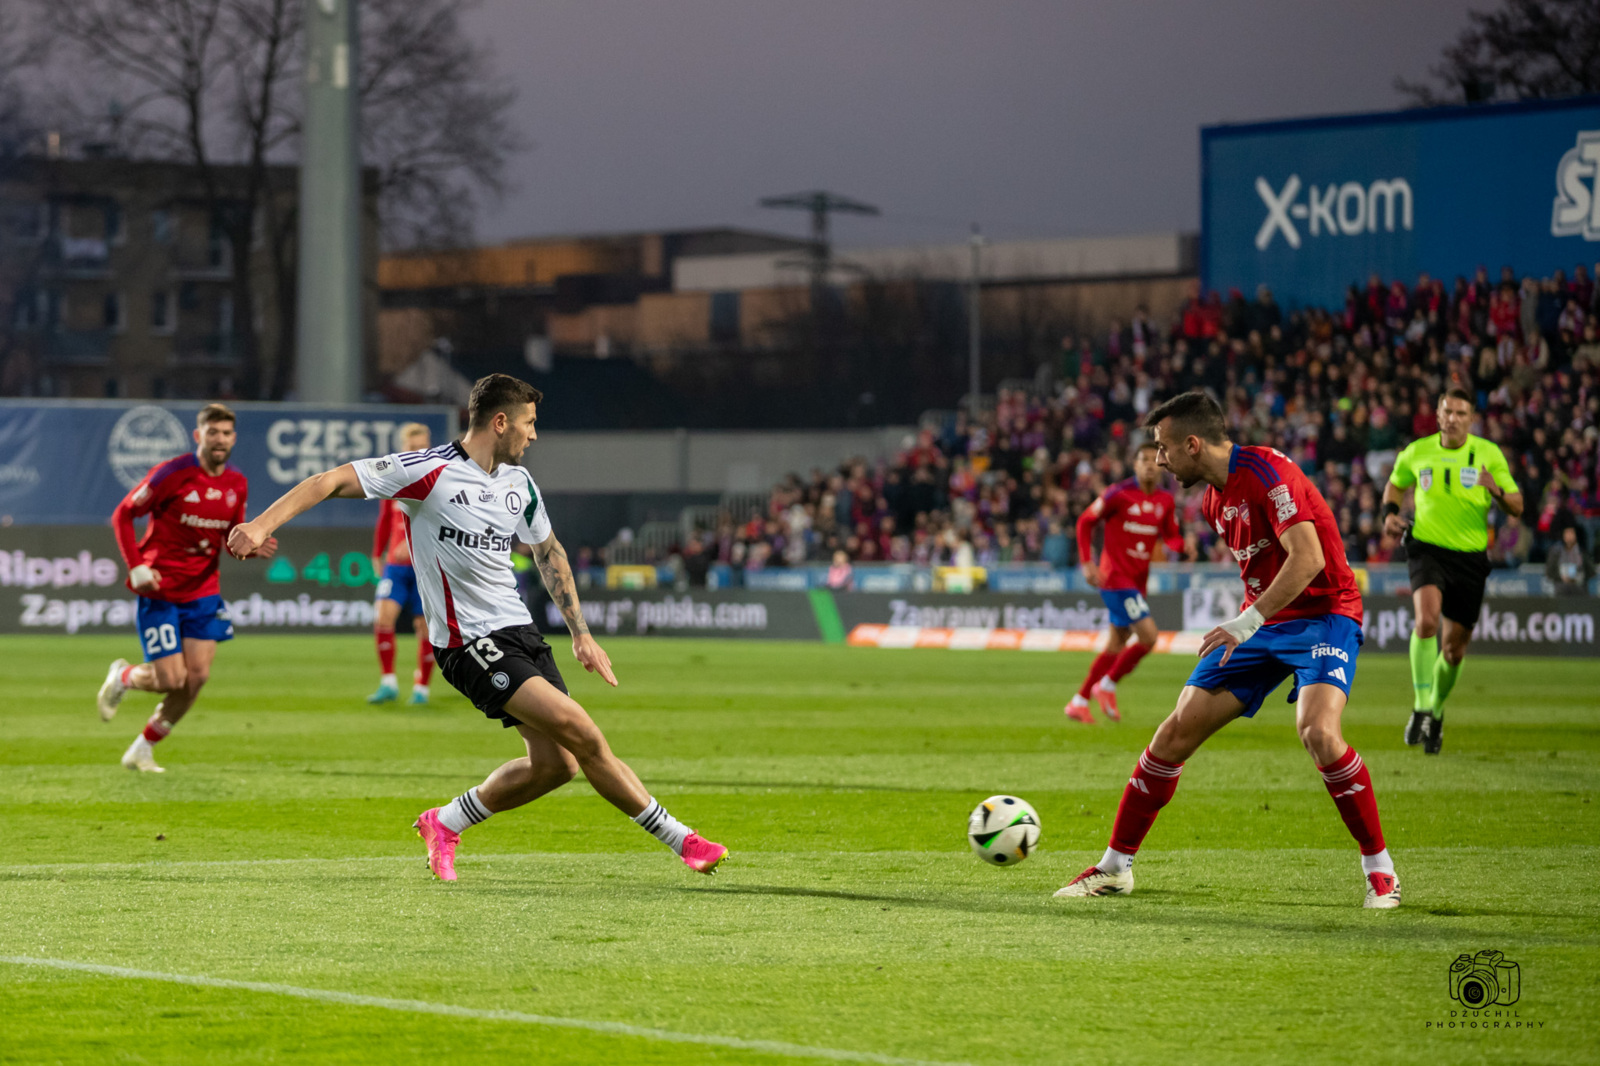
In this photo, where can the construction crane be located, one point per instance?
(821, 204)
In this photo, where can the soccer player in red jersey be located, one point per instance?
(192, 502)
(1301, 618)
(397, 587)
(1137, 513)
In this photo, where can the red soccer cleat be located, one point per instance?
(1107, 699)
(1079, 712)
(702, 854)
(1096, 882)
(1383, 891)
(441, 844)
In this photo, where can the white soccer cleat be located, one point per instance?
(142, 757)
(112, 690)
(1096, 882)
(1383, 891)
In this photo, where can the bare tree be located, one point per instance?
(215, 83)
(1526, 49)
(434, 123)
(18, 114)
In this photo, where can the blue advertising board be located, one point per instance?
(68, 462)
(1309, 207)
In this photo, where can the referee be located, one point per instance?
(1456, 476)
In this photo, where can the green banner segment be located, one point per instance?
(828, 622)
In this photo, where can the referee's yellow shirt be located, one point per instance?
(1451, 506)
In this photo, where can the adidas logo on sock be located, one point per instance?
(461, 498)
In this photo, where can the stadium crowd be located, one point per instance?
(1340, 390)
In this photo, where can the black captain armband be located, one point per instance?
(1390, 508)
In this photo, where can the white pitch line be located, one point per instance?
(417, 1006)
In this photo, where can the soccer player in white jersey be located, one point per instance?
(466, 501)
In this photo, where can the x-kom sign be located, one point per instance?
(1336, 209)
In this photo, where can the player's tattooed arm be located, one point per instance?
(556, 571)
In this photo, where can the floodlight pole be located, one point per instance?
(975, 323)
(328, 349)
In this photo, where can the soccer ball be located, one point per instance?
(1003, 830)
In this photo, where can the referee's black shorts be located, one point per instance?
(489, 669)
(1459, 576)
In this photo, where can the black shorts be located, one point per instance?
(1459, 576)
(489, 669)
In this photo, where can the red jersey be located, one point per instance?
(190, 515)
(1134, 520)
(1265, 495)
(389, 539)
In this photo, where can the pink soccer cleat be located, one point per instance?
(441, 844)
(701, 854)
(1079, 712)
(1107, 699)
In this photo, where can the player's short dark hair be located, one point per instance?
(1147, 445)
(496, 393)
(214, 412)
(1456, 392)
(1193, 414)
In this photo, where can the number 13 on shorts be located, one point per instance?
(484, 652)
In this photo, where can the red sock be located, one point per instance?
(1148, 790)
(386, 650)
(424, 664)
(156, 730)
(1351, 788)
(1127, 661)
(1097, 670)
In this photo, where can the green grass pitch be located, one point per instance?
(851, 918)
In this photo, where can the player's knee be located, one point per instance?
(195, 679)
(580, 736)
(1318, 735)
(1453, 653)
(171, 675)
(562, 770)
(1174, 739)
(1427, 627)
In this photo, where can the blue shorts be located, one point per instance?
(400, 585)
(1317, 651)
(1127, 606)
(164, 626)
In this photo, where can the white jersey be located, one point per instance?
(460, 525)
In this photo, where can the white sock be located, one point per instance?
(663, 826)
(388, 679)
(1108, 684)
(1114, 861)
(419, 688)
(1379, 863)
(463, 811)
(1079, 701)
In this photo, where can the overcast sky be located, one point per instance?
(1034, 118)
